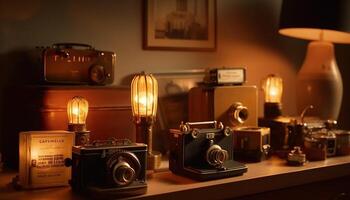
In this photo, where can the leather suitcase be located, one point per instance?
(45, 108)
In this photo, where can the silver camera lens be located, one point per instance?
(123, 174)
(238, 113)
(216, 156)
(124, 168)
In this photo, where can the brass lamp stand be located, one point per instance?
(144, 97)
(144, 134)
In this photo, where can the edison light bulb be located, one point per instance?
(144, 95)
(273, 88)
(77, 111)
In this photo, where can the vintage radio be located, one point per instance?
(109, 169)
(45, 108)
(203, 153)
(232, 105)
(72, 63)
(44, 156)
(251, 143)
(227, 76)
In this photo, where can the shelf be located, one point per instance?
(272, 174)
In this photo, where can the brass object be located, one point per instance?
(154, 160)
(296, 157)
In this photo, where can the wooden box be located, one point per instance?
(43, 156)
(34, 108)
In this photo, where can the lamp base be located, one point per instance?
(82, 137)
(154, 160)
(272, 110)
(319, 82)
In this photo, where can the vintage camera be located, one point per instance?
(232, 105)
(110, 168)
(315, 148)
(286, 132)
(251, 144)
(314, 142)
(71, 63)
(203, 153)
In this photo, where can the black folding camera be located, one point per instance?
(71, 63)
(203, 153)
(111, 168)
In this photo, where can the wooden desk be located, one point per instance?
(270, 179)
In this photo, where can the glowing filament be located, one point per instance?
(273, 88)
(77, 110)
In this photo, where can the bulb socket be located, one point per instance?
(82, 136)
(272, 110)
(76, 127)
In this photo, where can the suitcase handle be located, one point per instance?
(111, 142)
(187, 126)
(202, 123)
(71, 46)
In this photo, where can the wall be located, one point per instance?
(246, 36)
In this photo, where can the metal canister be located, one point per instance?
(315, 148)
(343, 142)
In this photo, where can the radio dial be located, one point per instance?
(97, 74)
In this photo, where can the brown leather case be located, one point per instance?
(44, 108)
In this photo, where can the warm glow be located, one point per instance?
(144, 95)
(34, 154)
(145, 101)
(77, 110)
(273, 87)
(317, 34)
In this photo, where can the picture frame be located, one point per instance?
(180, 25)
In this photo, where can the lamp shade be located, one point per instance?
(325, 20)
(77, 110)
(144, 96)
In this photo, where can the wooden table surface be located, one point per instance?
(265, 176)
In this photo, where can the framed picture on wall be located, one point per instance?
(180, 25)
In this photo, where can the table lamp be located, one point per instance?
(144, 97)
(324, 22)
(77, 111)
